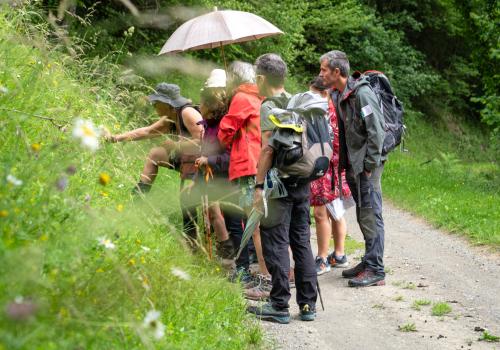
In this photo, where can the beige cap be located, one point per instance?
(216, 79)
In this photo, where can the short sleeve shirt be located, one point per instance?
(265, 110)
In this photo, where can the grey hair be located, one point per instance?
(337, 59)
(241, 72)
(273, 67)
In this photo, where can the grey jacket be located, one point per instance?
(361, 126)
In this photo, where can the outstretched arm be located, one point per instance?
(156, 129)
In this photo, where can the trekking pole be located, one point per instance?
(320, 297)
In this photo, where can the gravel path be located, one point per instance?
(423, 263)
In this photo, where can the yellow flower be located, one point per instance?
(104, 194)
(143, 260)
(4, 213)
(99, 270)
(104, 179)
(138, 241)
(17, 210)
(44, 237)
(36, 147)
(119, 208)
(131, 262)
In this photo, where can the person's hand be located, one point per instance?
(107, 136)
(258, 202)
(201, 162)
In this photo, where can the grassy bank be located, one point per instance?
(450, 176)
(82, 263)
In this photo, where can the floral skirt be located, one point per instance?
(322, 191)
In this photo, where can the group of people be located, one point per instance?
(224, 152)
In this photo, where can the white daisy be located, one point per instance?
(152, 323)
(146, 249)
(180, 273)
(106, 243)
(14, 180)
(86, 132)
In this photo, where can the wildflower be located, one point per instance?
(85, 131)
(99, 270)
(143, 260)
(44, 237)
(106, 243)
(152, 323)
(87, 198)
(145, 282)
(4, 213)
(180, 273)
(62, 183)
(146, 249)
(119, 208)
(104, 179)
(14, 180)
(35, 147)
(104, 194)
(131, 262)
(4, 90)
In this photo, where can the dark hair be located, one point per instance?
(337, 59)
(273, 68)
(318, 84)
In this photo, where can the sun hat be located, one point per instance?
(217, 79)
(169, 94)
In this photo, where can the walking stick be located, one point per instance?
(320, 297)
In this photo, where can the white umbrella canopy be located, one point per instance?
(218, 28)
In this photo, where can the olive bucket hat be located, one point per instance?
(169, 94)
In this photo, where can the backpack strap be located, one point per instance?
(280, 101)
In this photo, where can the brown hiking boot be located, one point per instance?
(367, 278)
(257, 293)
(353, 272)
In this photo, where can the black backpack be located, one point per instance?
(301, 138)
(391, 108)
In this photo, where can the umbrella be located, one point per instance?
(273, 188)
(216, 29)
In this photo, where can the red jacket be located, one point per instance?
(239, 131)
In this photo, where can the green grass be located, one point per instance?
(489, 337)
(408, 327)
(417, 304)
(440, 309)
(84, 295)
(450, 176)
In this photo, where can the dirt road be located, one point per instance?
(423, 264)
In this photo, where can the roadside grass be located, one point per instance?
(59, 286)
(489, 337)
(407, 327)
(440, 309)
(417, 304)
(450, 176)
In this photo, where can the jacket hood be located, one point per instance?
(354, 84)
(248, 88)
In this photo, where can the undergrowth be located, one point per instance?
(83, 264)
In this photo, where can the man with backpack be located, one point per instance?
(287, 221)
(361, 136)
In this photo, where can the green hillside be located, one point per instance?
(83, 263)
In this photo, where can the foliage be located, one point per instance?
(489, 337)
(82, 263)
(440, 309)
(408, 327)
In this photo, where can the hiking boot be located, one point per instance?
(353, 272)
(225, 249)
(257, 293)
(268, 313)
(241, 275)
(337, 262)
(367, 278)
(322, 265)
(307, 313)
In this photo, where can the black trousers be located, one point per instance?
(287, 224)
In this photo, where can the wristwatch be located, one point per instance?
(261, 186)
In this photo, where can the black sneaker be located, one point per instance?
(337, 262)
(351, 273)
(367, 278)
(268, 313)
(307, 313)
(241, 275)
